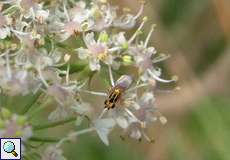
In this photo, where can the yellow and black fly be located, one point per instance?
(115, 93)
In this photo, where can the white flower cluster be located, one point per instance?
(36, 57)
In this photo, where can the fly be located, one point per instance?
(115, 93)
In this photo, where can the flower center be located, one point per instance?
(102, 56)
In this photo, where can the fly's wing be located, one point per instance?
(124, 81)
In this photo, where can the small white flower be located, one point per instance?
(103, 16)
(96, 51)
(122, 122)
(127, 20)
(4, 30)
(62, 95)
(82, 108)
(2, 20)
(15, 126)
(60, 113)
(27, 4)
(15, 81)
(135, 133)
(120, 40)
(163, 119)
(41, 15)
(53, 153)
(103, 128)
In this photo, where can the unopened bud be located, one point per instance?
(163, 120)
(175, 78)
(6, 113)
(67, 57)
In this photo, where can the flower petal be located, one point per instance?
(103, 128)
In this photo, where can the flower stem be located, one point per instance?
(54, 124)
(74, 67)
(44, 139)
(41, 107)
(77, 133)
(137, 87)
(31, 103)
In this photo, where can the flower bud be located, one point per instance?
(21, 120)
(104, 37)
(6, 113)
(67, 57)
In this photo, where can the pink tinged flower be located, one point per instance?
(103, 128)
(53, 153)
(79, 13)
(2, 20)
(11, 129)
(122, 122)
(128, 21)
(94, 64)
(79, 7)
(61, 94)
(15, 126)
(72, 27)
(19, 83)
(120, 40)
(41, 15)
(82, 108)
(27, 4)
(143, 57)
(52, 75)
(103, 17)
(96, 51)
(4, 31)
(83, 53)
(77, 20)
(60, 113)
(146, 111)
(135, 133)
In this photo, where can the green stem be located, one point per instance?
(11, 10)
(74, 134)
(41, 107)
(31, 103)
(54, 124)
(44, 139)
(75, 67)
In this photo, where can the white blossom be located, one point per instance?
(53, 153)
(103, 128)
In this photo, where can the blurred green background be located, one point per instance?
(196, 34)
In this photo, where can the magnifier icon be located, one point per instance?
(9, 147)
